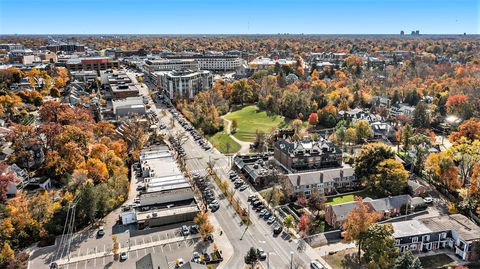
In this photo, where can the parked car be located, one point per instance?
(261, 254)
(242, 188)
(250, 197)
(206, 257)
(278, 229)
(179, 262)
(101, 231)
(267, 215)
(271, 220)
(185, 230)
(428, 200)
(196, 257)
(194, 229)
(316, 265)
(123, 256)
(262, 212)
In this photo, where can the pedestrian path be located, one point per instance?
(244, 146)
(101, 254)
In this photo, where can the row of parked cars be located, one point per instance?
(237, 181)
(207, 193)
(264, 213)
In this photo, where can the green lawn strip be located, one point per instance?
(220, 140)
(340, 199)
(250, 119)
(436, 261)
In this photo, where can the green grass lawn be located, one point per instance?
(250, 119)
(341, 199)
(220, 140)
(436, 261)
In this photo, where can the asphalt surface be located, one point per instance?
(259, 234)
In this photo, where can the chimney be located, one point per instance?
(298, 180)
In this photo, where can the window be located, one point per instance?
(443, 235)
(426, 238)
(413, 247)
(414, 239)
(398, 242)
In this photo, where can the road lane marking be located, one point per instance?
(153, 249)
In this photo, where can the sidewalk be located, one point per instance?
(100, 254)
(314, 255)
(244, 146)
(222, 243)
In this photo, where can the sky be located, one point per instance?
(239, 16)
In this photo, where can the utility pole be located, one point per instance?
(291, 259)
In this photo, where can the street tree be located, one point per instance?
(379, 248)
(206, 229)
(252, 257)
(288, 221)
(357, 224)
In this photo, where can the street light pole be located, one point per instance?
(291, 259)
(268, 260)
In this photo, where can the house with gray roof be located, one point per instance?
(387, 207)
(325, 181)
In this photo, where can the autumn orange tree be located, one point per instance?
(357, 224)
(442, 169)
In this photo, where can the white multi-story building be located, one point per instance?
(152, 66)
(216, 63)
(183, 84)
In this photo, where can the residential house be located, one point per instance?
(455, 232)
(417, 188)
(387, 207)
(325, 181)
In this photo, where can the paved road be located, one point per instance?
(257, 235)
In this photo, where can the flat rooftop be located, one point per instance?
(409, 228)
(142, 216)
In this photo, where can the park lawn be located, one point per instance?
(436, 261)
(220, 140)
(250, 119)
(340, 199)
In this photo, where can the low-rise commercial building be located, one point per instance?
(129, 106)
(167, 196)
(91, 63)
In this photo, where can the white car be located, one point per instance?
(428, 200)
(123, 256)
(316, 265)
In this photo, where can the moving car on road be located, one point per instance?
(123, 256)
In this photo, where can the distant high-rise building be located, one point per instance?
(417, 32)
(402, 32)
